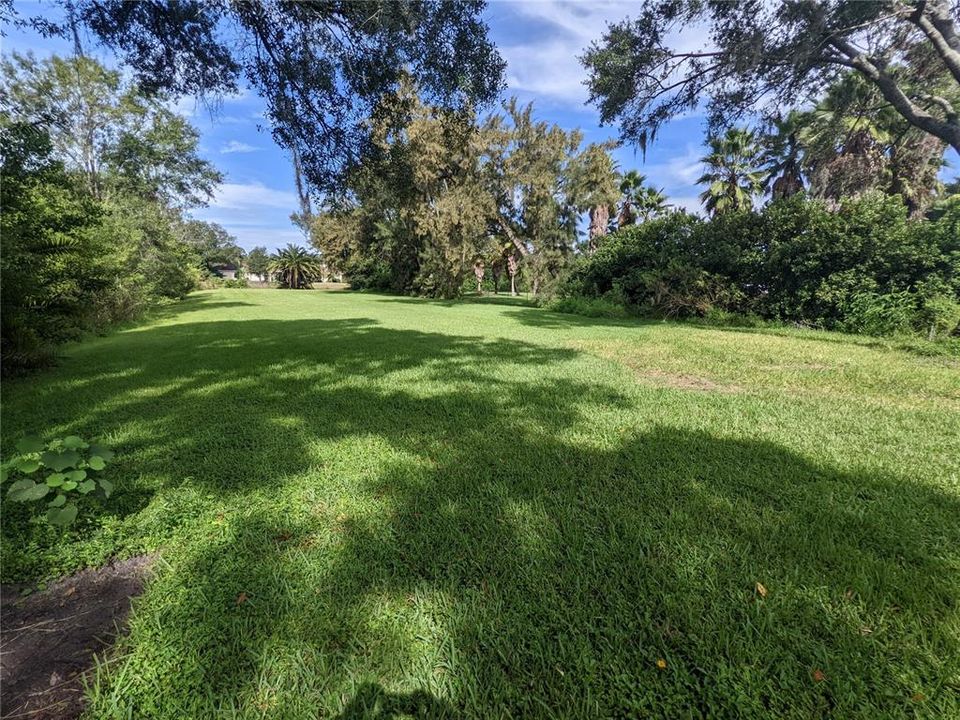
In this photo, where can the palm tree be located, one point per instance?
(847, 137)
(296, 266)
(631, 186)
(651, 202)
(781, 157)
(732, 176)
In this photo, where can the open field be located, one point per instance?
(372, 506)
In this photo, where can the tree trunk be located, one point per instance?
(599, 217)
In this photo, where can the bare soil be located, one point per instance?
(48, 639)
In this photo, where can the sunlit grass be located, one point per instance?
(369, 506)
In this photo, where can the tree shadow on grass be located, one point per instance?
(551, 581)
(550, 320)
(228, 406)
(410, 523)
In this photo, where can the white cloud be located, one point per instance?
(235, 146)
(255, 214)
(249, 196)
(678, 171)
(548, 64)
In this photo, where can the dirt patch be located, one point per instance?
(48, 639)
(683, 381)
(643, 363)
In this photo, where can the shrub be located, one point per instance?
(881, 314)
(863, 268)
(939, 316)
(661, 266)
(61, 467)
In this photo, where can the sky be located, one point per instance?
(541, 41)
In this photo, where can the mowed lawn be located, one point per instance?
(375, 507)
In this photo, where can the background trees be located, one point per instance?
(96, 181)
(440, 190)
(258, 261)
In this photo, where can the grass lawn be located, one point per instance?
(374, 507)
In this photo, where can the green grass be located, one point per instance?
(484, 510)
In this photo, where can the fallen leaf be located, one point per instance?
(818, 675)
(849, 594)
(341, 517)
(864, 630)
(761, 590)
(918, 697)
(661, 663)
(241, 598)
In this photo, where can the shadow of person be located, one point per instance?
(372, 702)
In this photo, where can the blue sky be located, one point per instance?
(540, 40)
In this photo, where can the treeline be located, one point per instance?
(834, 217)
(97, 181)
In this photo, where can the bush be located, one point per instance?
(875, 314)
(864, 268)
(939, 316)
(660, 268)
(365, 273)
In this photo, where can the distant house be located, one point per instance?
(227, 271)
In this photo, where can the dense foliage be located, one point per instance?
(441, 191)
(96, 181)
(864, 267)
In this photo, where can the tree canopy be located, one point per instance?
(764, 56)
(320, 67)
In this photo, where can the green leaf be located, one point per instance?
(102, 451)
(30, 444)
(68, 486)
(96, 463)
(77, 475)
(24, 494)
(27, 465)
(86, 486)
(4, 473)
(74, 442)
(62, 516)
(107, 487)
(60, 461)
(56, 479)
(58, 501)
(20, 485)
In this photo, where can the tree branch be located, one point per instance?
(933, 18)
(947, 131)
